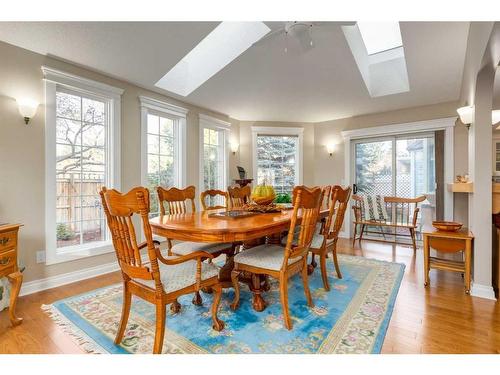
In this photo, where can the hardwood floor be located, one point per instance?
(439, 319)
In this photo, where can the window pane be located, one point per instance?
(153, 144)
(68, 106)
(81, 169)
(276, 161)
(68, 131)
(167, 146)
(93, 135)
(153, 124)
(166, 127)
(213, 159)
(93, 111)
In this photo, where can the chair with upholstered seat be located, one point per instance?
(212, 195)
(239, 196)
(325, 239)
(283, 262)
(161, 280)
(176, 199)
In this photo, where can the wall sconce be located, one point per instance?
(330, 148)
(467, 114)
(234, 147)
(27, 109)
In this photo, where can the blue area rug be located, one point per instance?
(351, 318)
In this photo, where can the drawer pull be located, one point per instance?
(4, 261)
(4, 240)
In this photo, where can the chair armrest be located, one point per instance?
(144, 244)
(415, 216)
(198, 255)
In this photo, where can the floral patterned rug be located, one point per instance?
(351, 318)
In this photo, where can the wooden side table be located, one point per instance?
(448, 242)
(8, 266)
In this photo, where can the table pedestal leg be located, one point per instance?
(258, 302)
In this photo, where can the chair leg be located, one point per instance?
(305, 281)
(324, 274)
(284, 301)
(127, 301)
(355, 232)
(236, 285)
(413, 239)
(160, 327)
(313, 265)
(217, 325)
(335, 260)
(361, 233)
(197, 299)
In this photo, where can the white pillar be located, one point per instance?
(480, 170)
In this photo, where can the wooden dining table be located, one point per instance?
(248, 231)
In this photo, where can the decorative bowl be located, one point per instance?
(447, 226)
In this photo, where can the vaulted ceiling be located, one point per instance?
(263, 83)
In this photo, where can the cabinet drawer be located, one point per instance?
(8, 260)
(8, 240)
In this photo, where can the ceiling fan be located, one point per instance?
(302, 31)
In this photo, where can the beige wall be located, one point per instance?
(22, 151)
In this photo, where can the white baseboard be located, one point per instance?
(482, 291)
(67, 278)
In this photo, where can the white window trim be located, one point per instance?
(447, 124)
(278, 130)
(150, 105)
(52, 79)
(209, 122)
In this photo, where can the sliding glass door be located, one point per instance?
(402, 166)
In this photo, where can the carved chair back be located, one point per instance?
(327, 190)
(239, 196)
(176, 199)
(338, 206)
(307, 203)
(119, 209)
(213, 194)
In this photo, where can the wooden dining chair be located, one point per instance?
(325, 240)
(177, 202)
(161, 280)
(283, 262)
(211, 193)
(239, 196)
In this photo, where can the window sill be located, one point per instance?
(78, 252)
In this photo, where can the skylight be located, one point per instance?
(380, 36)
(224, 44)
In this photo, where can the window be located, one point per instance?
(82, 155)
(213, 156)
(163, 135)
(278, 157)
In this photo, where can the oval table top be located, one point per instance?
(199, 227)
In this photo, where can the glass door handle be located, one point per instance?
(354, 188)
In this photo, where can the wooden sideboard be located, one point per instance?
(8, 266)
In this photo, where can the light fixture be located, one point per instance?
(330, 148)
(467, 115)
(27, 108)
(234, 147)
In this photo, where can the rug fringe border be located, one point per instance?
(76, 334)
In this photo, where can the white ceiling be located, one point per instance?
(264, 83)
